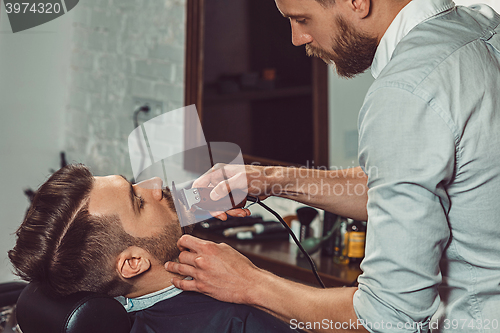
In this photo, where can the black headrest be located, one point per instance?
(81, 312)
(9, 292)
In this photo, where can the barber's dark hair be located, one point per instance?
(62, 246)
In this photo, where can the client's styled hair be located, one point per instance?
(64, 247)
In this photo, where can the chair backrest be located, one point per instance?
(9, 292)
(81, 312)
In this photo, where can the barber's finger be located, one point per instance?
(181, 269)
(238, 212)
(192, 243)
(187, 285)
(217, 214)
(188, 258)
(183, 245)
(214, 175)
(236, 182)
(222, 217)
(203, 181)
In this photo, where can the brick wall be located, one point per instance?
(121, 49)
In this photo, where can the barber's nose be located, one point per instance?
(154, 184)
(299, 37)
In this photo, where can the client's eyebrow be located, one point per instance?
(132, 194)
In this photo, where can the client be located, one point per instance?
(103, 234)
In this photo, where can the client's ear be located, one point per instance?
(133, 262)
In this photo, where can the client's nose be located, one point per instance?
(154, 184)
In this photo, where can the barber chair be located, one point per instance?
(37, 312)
(9, 293)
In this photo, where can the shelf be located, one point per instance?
(280, 257)
(213, 97)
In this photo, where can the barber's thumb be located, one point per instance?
(166, 266)
(219, 191)
(176, 282)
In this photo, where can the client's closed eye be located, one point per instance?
(141, 201)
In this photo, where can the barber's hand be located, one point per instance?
(217, 270)
(229, 177)
(237, 212)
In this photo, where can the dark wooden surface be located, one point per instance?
(280, 258)
(193, 73)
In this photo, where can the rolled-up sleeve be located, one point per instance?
(407, 149)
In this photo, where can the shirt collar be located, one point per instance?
(415, 12)
(146, 301)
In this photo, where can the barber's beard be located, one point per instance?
(352, 52)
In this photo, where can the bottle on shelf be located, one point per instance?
(356, 236)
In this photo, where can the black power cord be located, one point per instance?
(311, 262)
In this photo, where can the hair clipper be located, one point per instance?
(197, 199)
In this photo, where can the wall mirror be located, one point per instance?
(251, 86)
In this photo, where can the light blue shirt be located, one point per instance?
(147, 301)
(429, 140)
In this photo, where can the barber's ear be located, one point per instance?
(133, 262)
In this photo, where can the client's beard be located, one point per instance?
(164, 245)
(352, 53)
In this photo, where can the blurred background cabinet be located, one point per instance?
(254, 88)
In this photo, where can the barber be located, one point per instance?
(429, 152)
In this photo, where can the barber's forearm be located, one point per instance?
(301, 305)
(343, 192)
